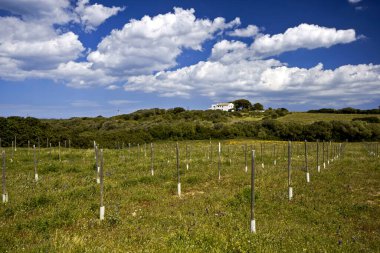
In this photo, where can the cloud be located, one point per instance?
(230, 51)
(249, 31)
(42, 11)
(44, 53)
(84, 103)
(35, 41)
(354, 1)
(33, 45)
(81, 75)
(360, 8)
(91, 16)
(113, 87)
(61, 12)
(153, 43)
(121, 102)
(269, 80)
(303, 36)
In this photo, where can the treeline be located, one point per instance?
(175, 124)
(347, 110)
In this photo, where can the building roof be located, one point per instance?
(223, 104)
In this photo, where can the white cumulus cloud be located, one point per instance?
(81, 75)
(42, 11)
(271, 80)
(249, 31)
(153, 43)
(91, 16)
(35, 41)
(303, 36)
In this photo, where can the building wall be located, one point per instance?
(218, 106)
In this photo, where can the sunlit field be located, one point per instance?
(338, 210)
(308, 118)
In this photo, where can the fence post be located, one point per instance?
(102, 208)
(5, 194)
(35, 164)
(245, 158)
(318, 166)
(178, 174)
(289, 171)
(187, 157)
(307, 167)
(219, 160)
(151, 159)
(253, 222)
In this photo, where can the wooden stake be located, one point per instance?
(327, 154)
(253, 221)
(323, 154)
(289, 171)
(178, 172)
(318, 167)
(187, 157)
(35, 164)
(95, 149)
(262, 158)
(245, 158)
(307, 167)
(12, 152)
(219, 160)
(102, 208)
(151, 159)
(5, 194)
(97, 162)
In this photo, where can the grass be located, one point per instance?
(336, 212)
(308, 118)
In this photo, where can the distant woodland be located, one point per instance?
(155, 124)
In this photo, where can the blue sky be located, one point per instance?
(61, 58)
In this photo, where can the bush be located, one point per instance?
(368, 119)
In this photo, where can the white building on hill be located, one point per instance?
(223, 106)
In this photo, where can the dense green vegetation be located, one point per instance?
(346, 110)
(309, 118)
(336, 212)
(178, 124)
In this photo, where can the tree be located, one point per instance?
(242, 104)
(258, 107)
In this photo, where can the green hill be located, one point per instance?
(178, 124)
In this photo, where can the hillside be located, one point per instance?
(178, 124)
(308, 118)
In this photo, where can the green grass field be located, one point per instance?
(308, 118)
(338, 211)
